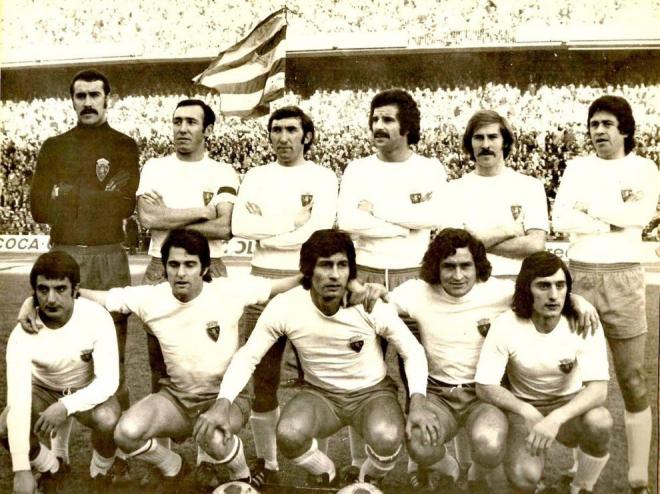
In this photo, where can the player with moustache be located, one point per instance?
(344, 369)
(84, 187)
(70, 368)
(557, 379)
(279, 205)
(389, 202)
(604, 202)
(503, 208)
(454, 303)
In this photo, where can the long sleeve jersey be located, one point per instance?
(81, 356)
(341, 352)
(620, 197)
(406, 200)
(87, 159)
(280, 192)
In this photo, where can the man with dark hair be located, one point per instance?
(83, 187)
(503, 208)
(195, 321)
(279, 205)
(390, 202)
(69, 369)
(604, 202)
(557, 379)
(345, 373)
(187, 190)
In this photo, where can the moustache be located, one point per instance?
(486, 152)
(381, 133)
(89, 111)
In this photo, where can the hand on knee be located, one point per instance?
(424, 454)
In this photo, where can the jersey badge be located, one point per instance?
(516, 209)
(213, 330)
(566, 365)
(305, 199)
(416, 198)
(86, 355)
(356, 343)
(483, 325)
(102, 168)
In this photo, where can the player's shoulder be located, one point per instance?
(120, 136)
(88, 307)
(521, 178)
(363, 162)
(641, 161)
(320, 169)
(506, 321)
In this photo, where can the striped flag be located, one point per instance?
(250, 74)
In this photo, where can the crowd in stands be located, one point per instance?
(549, 122)
(192, 27)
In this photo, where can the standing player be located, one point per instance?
(503, 208)
(280, 205)
(345, 373)
(68, 369)
(185, 190)
(558, 379)
(604, 202)
(389, 202)
(83, 187)
(195, 321)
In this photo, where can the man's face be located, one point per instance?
(55, 299)
(288, 140)
(184, 274)
(90, 102)
(188, 130)
(386, 129)
(488, 146)
(549, 293)
(605, 135)
(330, 276)
(458, 274)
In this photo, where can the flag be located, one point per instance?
(250, 74)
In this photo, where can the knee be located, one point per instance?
(217, 447)
(634, 389)
(385, 437)
(525, 475)
(488, 445)
(291, 437)
(127, 432)
(597, 425)
(424, 454)
(105, 418)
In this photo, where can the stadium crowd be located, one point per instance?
(186, 28)
(547, 120)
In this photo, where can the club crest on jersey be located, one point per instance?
(213, 330)
(416, 198)
(305, 199)
(516, 209)
(483, 325)
(207, 197)
(566, 365)
(356, 343)
(625, 194)
(86, 355)
(102, 168)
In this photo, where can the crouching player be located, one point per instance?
(69, 368)
(345, 373)
(558, 379)
(195, 320)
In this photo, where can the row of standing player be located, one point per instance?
(279, 204)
